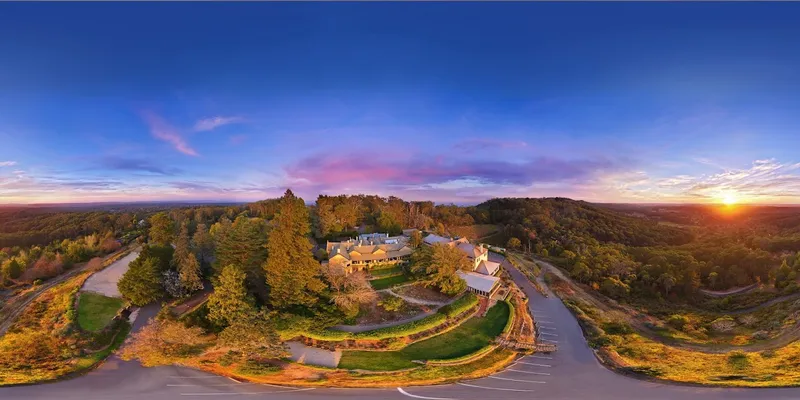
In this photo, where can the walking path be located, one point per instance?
(313, 356)
(414, 300)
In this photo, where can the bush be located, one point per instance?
(723, 324)
(391, 303)
(617, 328)
(257, 368)
(459, 306)
(738, 360)
(678, 321)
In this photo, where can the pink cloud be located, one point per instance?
(208, 124)
(161, 130)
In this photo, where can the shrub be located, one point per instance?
(392, 303)
(678, 321)
(459, 306)
(723, 324)
(738, 360)
(617, 328)
(256, 368)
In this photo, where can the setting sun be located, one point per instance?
(729, 199)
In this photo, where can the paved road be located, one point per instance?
(570, 374)
(105, 281)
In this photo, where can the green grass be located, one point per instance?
(95, 311)
(470, 337)
(386, 271)
(385, 283)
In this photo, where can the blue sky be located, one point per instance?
(452, 102)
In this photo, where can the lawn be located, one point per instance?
(95, 311)
(386, 271)
(385, 283)
(471, 336)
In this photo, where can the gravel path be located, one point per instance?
(105, 281)
(303, 354)
(414, 300)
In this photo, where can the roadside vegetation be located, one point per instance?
(465, 339)
(95, 311)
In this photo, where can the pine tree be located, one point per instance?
(162, 229)
(292, 273)
(230, 300)
(243, 244)
(141, 284)
(185, 262)
(203, 244)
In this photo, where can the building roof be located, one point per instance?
(483, 283)
(471, 250)
(488, 267)
(355, 251)
(432, 239)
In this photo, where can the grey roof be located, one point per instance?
(483, 283)
(487, 267)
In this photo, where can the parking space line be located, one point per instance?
(541, 357)
(244, 393)
(546, 333)
(421, 397)
(494, 388)
(548, 340)
(528, 372)
(535, 364)
(515, 380)
(549, 328)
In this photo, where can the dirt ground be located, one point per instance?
(421, 292)
(375, 314)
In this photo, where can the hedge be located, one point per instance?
(459, 306)
(465, 358)
(403, 330)
(511, 316)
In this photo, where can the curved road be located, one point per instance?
(572, 373)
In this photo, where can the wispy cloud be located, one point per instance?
(135, 164)
(161, 130)
(7, 163)
(483, 144)
(208, 124)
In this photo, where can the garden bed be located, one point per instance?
(465, 339)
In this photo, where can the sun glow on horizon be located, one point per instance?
(729, 199)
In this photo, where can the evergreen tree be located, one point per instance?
(185, 262)
(441, 265)
(162, 229)
(230, 301)
(243, 244)
(292, 273)
(141, 284)
(253, 336)
(203, 244)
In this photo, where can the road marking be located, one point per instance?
(543, 322)
(515, 380)
(535, 364)
(528, 372)
(190, 385)
(548, 340)
(194, 377)
(546, 333)
(244, 393)
(549, 328)
(494, 388)
(542, 357)
(421, 397)
(234, 380)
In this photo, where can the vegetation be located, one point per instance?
(348, 291)
(230, 301)
(467, 338)
(385, 283)
(184, 260)
(292, 273)
(95, 311)
(439, 265)
(141, 284)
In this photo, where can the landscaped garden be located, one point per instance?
(95, 311)
(385, 283)
(469, 337)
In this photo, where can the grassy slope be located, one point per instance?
(95, 311)
(386, 283)
(467, 338)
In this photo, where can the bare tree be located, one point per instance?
(348, 290)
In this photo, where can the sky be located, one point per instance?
(450, 102)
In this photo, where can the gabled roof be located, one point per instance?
(431, 239)
(471, 250)
(484, 283)
(488, 267)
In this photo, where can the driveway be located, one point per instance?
(105, 280)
